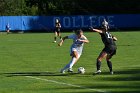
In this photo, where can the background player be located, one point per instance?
(8, 28)
(57, 30)
(109, 49)
(76, 48)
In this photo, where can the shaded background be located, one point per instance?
(68, 7)
(74, 14)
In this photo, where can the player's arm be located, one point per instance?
(84, 40)
(63, 39)
(96, 30)
(59, 25)
(114, 38)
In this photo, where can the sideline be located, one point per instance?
(62, 83)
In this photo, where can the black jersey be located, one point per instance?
(58, 25)
(107, 39)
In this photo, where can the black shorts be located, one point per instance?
(57, 30)
(110, 50)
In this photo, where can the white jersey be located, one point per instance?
(77, 45)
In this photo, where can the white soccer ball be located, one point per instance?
(81, 70)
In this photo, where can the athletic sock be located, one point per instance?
(71, 63)
(109, 63)
(98, 64)
(55, 38)
(60, 37)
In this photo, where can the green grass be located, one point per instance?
(34, 55)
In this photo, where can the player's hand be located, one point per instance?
(60, 43)
(91, 28)
(114, 38)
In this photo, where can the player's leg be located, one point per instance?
(109, 63)
(102, 55)
(76, 53)
(7, 31)
(55, 36)
(74, 59)
(59, 34)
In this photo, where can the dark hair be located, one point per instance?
(77, 32)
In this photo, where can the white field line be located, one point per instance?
(62, 83)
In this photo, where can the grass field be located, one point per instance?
(30, 63)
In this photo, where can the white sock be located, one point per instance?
(71, 63)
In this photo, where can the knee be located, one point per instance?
(107, 59)
(73, 55)
(76, 56)
(99, 59)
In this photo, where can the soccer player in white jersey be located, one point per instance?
(76, 48)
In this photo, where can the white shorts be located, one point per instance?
(78, 50)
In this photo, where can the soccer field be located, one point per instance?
(30, 63)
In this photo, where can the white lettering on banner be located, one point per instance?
(74, 22)
(85, 22)
(100, 20)
(66, 22)
(110, 21)
(93, 21)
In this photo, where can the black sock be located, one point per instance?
(98, 64)
(109, 63)
(55, 38)
(60, 37)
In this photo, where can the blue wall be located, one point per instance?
(68, 22)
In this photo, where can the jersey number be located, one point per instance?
(108, 35)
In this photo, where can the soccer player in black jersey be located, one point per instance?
(109, 49)
(57, 30)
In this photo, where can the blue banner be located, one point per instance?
(68, 22)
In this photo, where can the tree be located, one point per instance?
(67, 7)
(13, 7)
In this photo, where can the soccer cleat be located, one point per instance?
(98, 72)
(111, 73)
(54, 41)
(70, 70)
(62, 71)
